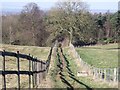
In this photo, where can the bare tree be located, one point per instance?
(31, 21)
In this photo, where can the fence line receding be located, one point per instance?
(37, 68)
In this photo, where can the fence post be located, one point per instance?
(4, 79)
(46, 64)
(94, 69)
(39, 72)
(18, 66)
(29, 72)
(98, 72)
(42, 71)
(115, 75)
(46, 67)
(101, 72)
(104, 74)
(96, 76)
(36, 73)
(33, 71)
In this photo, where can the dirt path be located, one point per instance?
(47, 82)
(66, 74)
(62, 72)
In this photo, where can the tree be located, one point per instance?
(9, 28)
(117, 30)
(100, 22)
(63, 18)
(32, 24)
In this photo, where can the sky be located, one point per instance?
(94, 5)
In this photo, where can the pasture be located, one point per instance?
(100, 56)
(64, 67)
(11, 63)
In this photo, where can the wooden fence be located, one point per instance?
(37, 68)
(105, 74)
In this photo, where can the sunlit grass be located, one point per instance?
(88, 81)
(105, 56)
(39, 52)
(11, 62)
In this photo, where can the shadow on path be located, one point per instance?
(66, 82)
(62, 77)
(88, 88)
(71, 75)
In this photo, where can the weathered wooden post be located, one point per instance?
(35, 66)
(93, 72)
(42, 71)
(46, 67)
(18, 66)
(37, 73)
(29, 71)
(104, 74)
(101, 72)
(4, 79)
(33, 80)
(97, 73)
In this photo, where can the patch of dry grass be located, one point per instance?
(11, 64)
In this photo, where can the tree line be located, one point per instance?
(66, 21)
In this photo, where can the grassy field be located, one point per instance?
(102, 56)
(40, 52)
(69, 74)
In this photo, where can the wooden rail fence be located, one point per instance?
(37, 68)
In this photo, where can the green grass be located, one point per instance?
(88, 81)
(40, 52)
(89, 54)
(76, 82)
(101, 56)
(55, 77)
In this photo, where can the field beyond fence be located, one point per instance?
(104, 74)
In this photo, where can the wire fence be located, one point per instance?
(105, 74)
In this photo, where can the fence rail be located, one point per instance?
(37, 68)
(105, 74)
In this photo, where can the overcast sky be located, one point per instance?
(96, 5)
